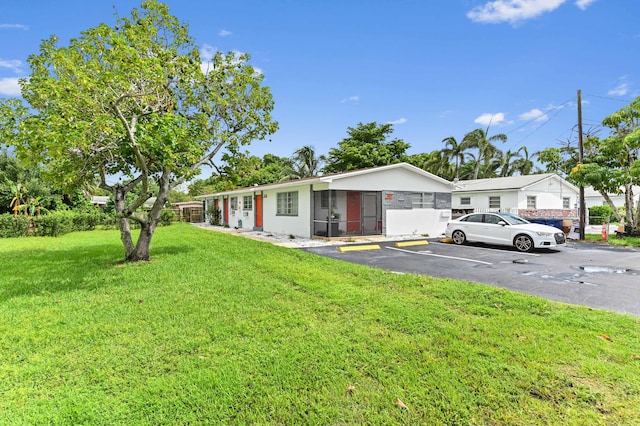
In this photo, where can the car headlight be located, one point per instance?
(544, 234)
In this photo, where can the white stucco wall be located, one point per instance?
(299, 225)
(480, 200)
(390, 180)
(549, 194)
(429, 222)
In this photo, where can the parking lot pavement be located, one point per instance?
(593, 275)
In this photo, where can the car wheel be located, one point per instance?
(523, 243)
(458, 237)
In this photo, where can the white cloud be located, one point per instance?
(487, 119)
(224, 33)
(398, 121)
(207, 51)
(9, 87)
(583, 4)
(352, 99)
(533, 115)
(13, 65)
(14, 26)
(513, 11)
(622, 88)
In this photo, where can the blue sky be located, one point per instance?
(434, 68)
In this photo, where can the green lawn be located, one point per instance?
(219, 329)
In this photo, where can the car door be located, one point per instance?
(495, 230)
(472, 227)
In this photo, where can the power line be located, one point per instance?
(557, 109)
(626, 101)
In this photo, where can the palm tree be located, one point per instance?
(507, 163)
(305, 163)
(455, 150)
(486, 149)
(524, 165)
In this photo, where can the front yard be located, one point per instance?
(221, 329)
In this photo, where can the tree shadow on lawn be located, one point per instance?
(31, 271)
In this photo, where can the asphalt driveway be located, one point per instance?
(587, 274)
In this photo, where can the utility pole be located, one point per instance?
(580, 160)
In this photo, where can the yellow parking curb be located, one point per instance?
(355, 248)
(446, 240)
(412, 243)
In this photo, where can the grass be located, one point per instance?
(624, 241)
(219, 329)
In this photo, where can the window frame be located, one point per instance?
(532, 202)
(233, 203)
(247, 202)
(566, 202)
(492, 200)
(465, 201)
(287, 203)
(420, 200)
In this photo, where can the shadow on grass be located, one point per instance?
(42, 271)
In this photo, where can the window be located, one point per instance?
(234, 203)
(474, 218)
(566, 202)
(494, 202)
(247, 202)
(423, 200)
(324, 200)
(492, 219)
(287, 204)
(531, 202)
(465, 201)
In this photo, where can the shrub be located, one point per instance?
(167, 216)
(599, 214)
(54, 224)
(14, 226)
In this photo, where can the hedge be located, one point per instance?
(14, 226)
(49, 225)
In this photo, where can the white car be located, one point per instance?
(504, 229)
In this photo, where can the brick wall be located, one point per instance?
(549, 213)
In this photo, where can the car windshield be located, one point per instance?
(512, 219)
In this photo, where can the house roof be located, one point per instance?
(507, 183)
(330, 178)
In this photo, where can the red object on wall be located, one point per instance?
(259, 211)
(353, 211)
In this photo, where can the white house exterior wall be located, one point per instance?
(549, 194)
(299, 225)
(480, 201)
(429, 222)
(393, 179)
(389, 179)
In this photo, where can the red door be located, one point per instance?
(353, 212)
(225, 212)
(258, 211)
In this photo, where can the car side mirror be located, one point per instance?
(502, 223)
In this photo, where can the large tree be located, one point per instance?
(612, 164)
(454, 150)
(366, 146)
(305, 163)
(484, 143)
(130, 106)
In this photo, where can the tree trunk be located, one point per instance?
(611, 204)
(148, 226)
(143, 247)
(119, 194)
